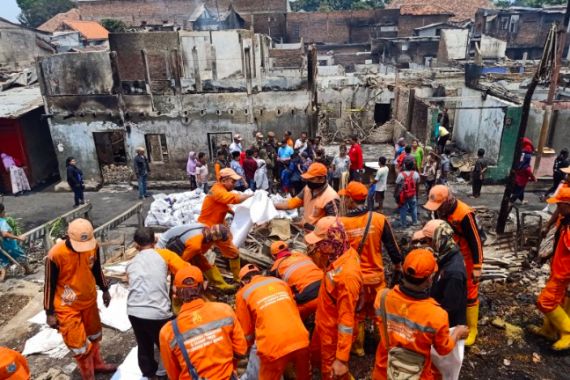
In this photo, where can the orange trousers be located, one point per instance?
(369, 293)
(227, 248)
(79, 327)
(553, 293)
(308, 309)
(273, 370)
(472, 289)
(323, 354)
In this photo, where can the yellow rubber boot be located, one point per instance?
(215, 278)
(472, 320)
(560, 320)
(235, 266)
(546, 331)
(358, 344)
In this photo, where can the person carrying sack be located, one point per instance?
(410, 322)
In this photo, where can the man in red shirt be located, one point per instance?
(249, 168)
(356, 159)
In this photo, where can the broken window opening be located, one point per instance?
(215, 142)
(156, 147)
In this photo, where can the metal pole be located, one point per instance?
(561, 44)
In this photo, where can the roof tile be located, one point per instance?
(462, 9)
(90, 30)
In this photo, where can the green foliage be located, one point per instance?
(114, 26)
(527, 3)
(336, 5)
(14, 225)
(36, 12)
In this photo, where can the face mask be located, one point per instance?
(314, 185)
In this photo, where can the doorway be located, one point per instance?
(112, 156)
(382, 113)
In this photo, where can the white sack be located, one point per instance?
(48, 341)
(449, 365)
(129, 369)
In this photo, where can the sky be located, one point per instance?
(9, 10)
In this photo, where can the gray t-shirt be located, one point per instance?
(187, 231)
(148, 288)
(341, 165)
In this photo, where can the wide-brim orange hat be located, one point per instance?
(321, 229)
(188, 277)
(562, 196)
(315, 170)
(355, 190)
(420, 263)
(80, 232)
(428, 230)
(227, 172)
(437, 196)
(278, 247)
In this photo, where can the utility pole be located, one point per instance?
(542, 72)
(561, 43)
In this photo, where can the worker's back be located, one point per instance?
(297, 270)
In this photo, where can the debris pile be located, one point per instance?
(116, 173)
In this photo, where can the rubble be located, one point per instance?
(116, 173)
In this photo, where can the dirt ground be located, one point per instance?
(11, 305)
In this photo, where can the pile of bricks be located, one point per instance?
(116, 173)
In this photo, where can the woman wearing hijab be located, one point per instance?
(191, 170)
(260, 176)
(18, 177)
(523, 174)
(75, 181)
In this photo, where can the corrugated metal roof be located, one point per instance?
(19, 101)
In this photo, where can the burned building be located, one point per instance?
(172, 92)
(212, 19)
(19, 45)
(523, 29)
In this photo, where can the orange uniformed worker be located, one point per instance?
(318, 198)
(198, 239)
(551, 298)
(13, 366)
(461, 218)
(269, 317)
(214, 210)
(205, 339)
(335, 317)
(301, 274)
(73, 269)
(408, 318)
(368, 242)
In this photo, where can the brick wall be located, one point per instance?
(287, 58)
(408, 23)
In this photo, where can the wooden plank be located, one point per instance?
(41, 231)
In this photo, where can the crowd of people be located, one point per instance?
(309, 310)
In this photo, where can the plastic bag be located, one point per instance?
(450, 364)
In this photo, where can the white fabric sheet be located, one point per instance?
(450, 364)
(129, 369)
(48, 342)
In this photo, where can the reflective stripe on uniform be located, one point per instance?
(289, 272)
(229, 321)
(345, 329)
(95, 336)
(407, 322)
(249, 290)
(80, 350)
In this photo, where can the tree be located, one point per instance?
(336, 5)
(527, 3)
(114, 26)
(36, 12)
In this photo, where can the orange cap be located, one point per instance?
(247, 269)
(437, 195)
(315, 170)
(420, 263)
(562, 196)
(355, 190)
(227, 172)
(188, 277)
(12, 365)
(278, 247)
(428, 230)
(80, 232)
(321, 230)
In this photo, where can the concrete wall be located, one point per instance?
(452, 44)
(18, 46)
(480, 123)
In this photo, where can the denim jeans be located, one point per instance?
(78, 195)
(251, 184)
(410, 206)
(142, 186)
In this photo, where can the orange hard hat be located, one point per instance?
(247, 269)
(188, 277)
(81, 237)
(321, 229)
(315, 170)
(420, 263)
(437, 196)
(429, 230)
(562, 196)
(355, 190)
(278, 247)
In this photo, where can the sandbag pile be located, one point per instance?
(175, 209)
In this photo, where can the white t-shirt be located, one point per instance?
(300, 145)
(382, 178)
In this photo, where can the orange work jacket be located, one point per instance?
(76, 285)
(313, 207)
(560, 265)
(371, 262)
(456, 218)
(195, 245)
(13, 366)
(415, 324)
(337, 301)
(216, 205)
(297, 270)
(269, 316)
(212, 337)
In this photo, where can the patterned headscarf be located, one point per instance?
(442, 241)
(335, 241)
